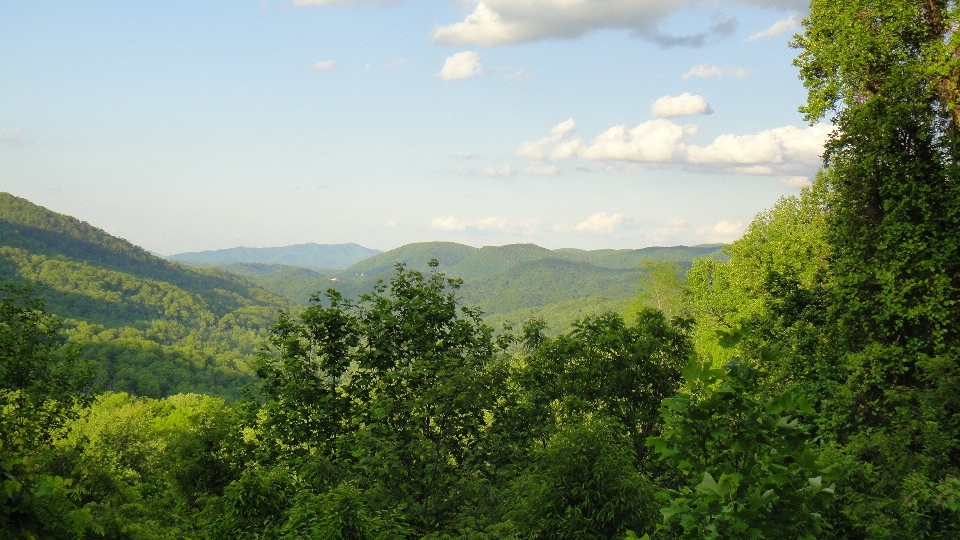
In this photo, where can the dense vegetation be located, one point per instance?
(153, 327)
(510, 283)
(807, 387)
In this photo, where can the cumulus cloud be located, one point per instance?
(539, 169)
(449, 223)
(600, 223)
(772, 146)
(499, 170)
(789, 25)
(501, 22)
(324, 65)
(652, 141)
(686, 104)
(787, 150)
(391, 223)
(722, 232)
(559, 145)
(704, 71)
(464, 154)
(462, 65)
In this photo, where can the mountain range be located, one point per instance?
(157, 327)
(313, 256)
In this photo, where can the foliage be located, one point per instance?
(391, 388)
(751, 471)
(583, 484)
(43, 383)
(603, 366)
(151, 326)
(889, 72)
(661, 287)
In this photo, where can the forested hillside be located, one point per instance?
(153, 327)
(510, 283)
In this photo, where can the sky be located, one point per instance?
(196, 125)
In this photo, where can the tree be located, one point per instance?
(889, 73)
(43, 384)
(392, 391)
(749, 467)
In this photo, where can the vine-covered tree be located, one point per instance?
(889, 72)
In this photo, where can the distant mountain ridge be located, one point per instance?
(510, 283)
(311, 255)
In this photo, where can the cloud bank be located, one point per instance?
(503, 22)
(782, 150)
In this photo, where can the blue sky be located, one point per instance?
(184, 126)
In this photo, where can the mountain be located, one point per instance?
(153, 327)
(314, 256)
(510, 283)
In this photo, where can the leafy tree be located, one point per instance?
(391, 390)
(888, 72)
(603, 366)
(43, 383)
(661, 287)
(750, 468)
(583, 484)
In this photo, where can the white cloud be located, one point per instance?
(462, 65)
(324, 65)
(652, 141)
(722, 232)
(686, 104)
(541, 170)
(367, 66)
(703, 71)
(8, 137)
(449, 223)
(493, 222)
(787, 150)
(500, 22)
(463, 154)
(789, 25)
(557, 146)
(499, 170)
(600, 223)
(391, 223)
(773, 146)
(796, 182)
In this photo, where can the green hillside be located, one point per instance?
(415, 256)
(510, 283)
(315, 256)
(153, 327)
